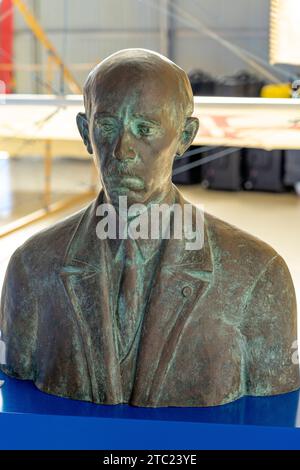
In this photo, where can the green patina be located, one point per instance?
(146, 322)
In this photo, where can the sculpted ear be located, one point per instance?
(188, 134)
(83, 127)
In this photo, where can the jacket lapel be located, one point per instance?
(181, 280)
(88, 285)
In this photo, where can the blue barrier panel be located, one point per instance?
(30, 419)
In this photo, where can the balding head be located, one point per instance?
(133, 66)
(138, 117)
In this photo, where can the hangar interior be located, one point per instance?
(48, 48)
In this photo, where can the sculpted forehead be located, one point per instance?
(150, 92)
(151, 78)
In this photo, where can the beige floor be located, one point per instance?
(275, 218)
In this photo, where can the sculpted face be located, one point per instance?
(136, 126)
(134, 138)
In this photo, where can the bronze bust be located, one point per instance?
(147, 321)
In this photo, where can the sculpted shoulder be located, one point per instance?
(232, 247)
(236, 249)
(49, 245)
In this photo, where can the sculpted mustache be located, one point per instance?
(121, 169)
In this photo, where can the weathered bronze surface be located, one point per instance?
(146, 322)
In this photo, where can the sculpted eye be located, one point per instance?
(145, 130)
(107, 126)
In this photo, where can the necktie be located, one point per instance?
(131, 296)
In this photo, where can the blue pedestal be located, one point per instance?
(30, 419)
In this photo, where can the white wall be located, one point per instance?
(85, 31)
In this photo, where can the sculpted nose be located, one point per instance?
(124, 148)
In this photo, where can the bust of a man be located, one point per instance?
(92, 313)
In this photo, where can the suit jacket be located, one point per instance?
(220, 321)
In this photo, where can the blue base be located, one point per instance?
(30, 419)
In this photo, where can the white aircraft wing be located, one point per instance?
(248, 122)
(28, 121)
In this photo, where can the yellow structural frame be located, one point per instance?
(54, 58)
(42, 37)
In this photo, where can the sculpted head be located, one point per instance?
(138, 107)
